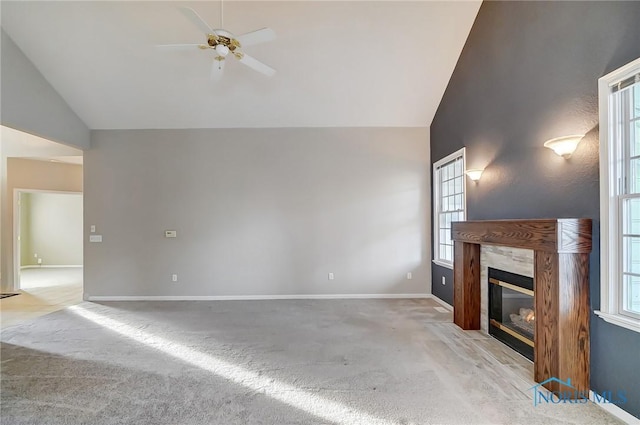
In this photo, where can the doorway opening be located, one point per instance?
(48, 252)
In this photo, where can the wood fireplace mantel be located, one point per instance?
(561, 285)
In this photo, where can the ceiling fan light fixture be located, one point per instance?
(222, 50)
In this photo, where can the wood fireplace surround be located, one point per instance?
(561, 284)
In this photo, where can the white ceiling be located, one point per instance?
(340, 64)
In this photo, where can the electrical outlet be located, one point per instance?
(93, 228)
(35, 255)
(444, 280)
(331, 277)
(409, 276)
(174, 277)
(39, 260)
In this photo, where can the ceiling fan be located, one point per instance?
(223, 43)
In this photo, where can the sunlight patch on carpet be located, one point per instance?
(309, 402)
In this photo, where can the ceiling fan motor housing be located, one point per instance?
(214, 40)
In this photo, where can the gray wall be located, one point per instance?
(29, 103)
(258, 211)
(528, 73)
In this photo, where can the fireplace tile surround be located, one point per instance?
(514, 260)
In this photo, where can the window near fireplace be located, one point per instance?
(449, 204)
(619, 94)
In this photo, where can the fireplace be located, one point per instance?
(511, 310)
(561, 248)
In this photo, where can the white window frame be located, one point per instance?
(437, 202)
(611, 284)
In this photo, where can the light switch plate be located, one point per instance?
(170, 233)
(95, 238)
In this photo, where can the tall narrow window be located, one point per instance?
(620, 196)
(449, 204)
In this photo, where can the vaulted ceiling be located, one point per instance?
(339, 64)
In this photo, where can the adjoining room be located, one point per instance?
(50, 239)
(42, 247)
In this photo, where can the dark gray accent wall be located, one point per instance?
(528, 73)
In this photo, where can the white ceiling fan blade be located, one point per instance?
(180, 46)
(193, 16)
(257, 65)
(259, 36)
(217, 69)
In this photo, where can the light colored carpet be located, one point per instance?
(266, 362)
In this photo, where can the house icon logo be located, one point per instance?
(541, 395)
(566, 393)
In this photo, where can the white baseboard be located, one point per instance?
(439, 301)
(616, 411)
(249, 297)
(49, 266)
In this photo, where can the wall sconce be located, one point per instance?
(474, 174)
(564, 146)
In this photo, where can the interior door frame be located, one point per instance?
(16, 227)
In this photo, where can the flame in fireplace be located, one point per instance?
(524, 320)
(529, 317)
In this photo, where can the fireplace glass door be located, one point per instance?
(511, 310)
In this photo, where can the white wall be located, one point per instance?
(53, 230)
(26, 254)
(258, 211)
